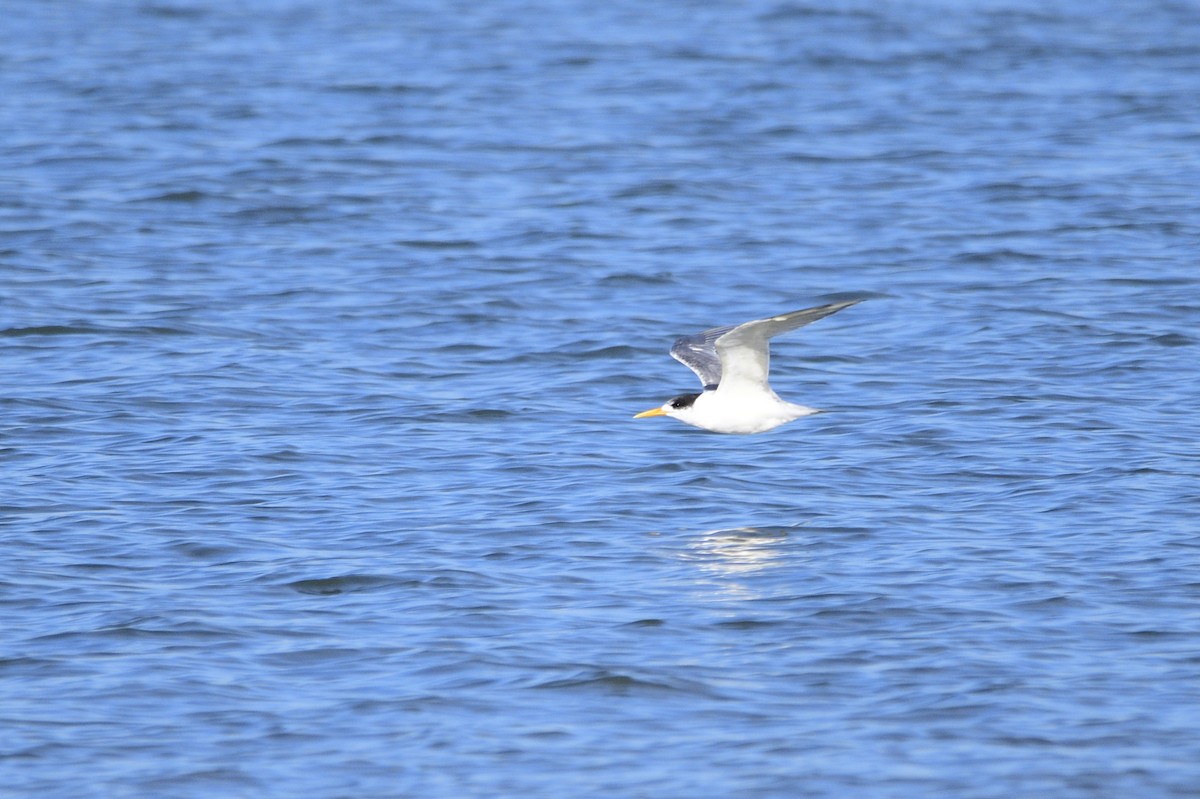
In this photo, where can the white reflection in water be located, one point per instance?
(739, 552)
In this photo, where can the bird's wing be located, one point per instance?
(743, 350)
(699, 353)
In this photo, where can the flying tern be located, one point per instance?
(732, 363)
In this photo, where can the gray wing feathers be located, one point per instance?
(738, 355)
(764, 329)
(699, 353)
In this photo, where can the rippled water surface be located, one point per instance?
(321, 330)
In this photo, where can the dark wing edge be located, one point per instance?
(699, 353)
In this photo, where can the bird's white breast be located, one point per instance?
(742, 412)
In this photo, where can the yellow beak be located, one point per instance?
(651, 412)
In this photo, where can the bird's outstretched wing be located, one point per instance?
(699, 353)
(742, 350)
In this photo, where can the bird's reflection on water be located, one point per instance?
(739, 550)
(733, 560)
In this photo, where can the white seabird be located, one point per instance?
(732, 363)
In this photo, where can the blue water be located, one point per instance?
(321, 330)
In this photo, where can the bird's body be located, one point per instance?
(733, 363)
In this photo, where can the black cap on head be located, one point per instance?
(683, 401)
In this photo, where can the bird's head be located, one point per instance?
(678, 407)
